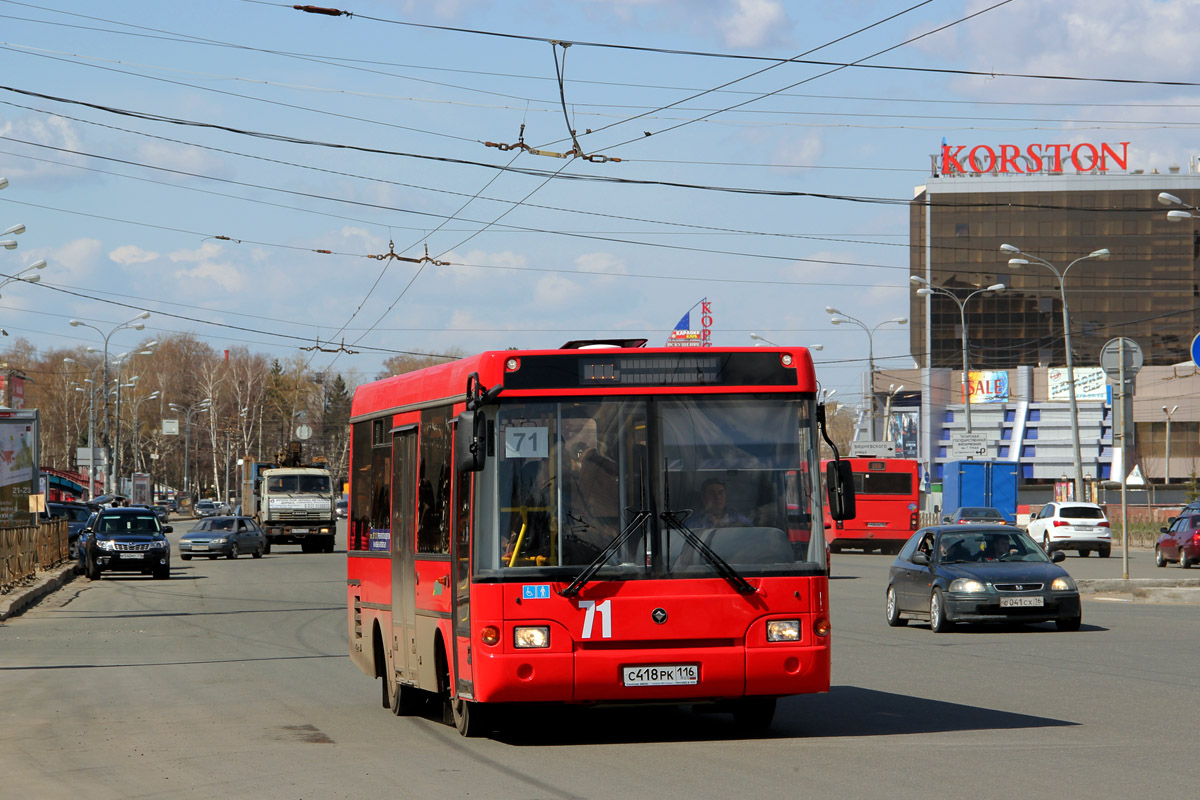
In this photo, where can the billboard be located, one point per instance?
(18, 466)
(1090, 384)
(988, 386)
(903, 428)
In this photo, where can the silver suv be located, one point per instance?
(1082, 527)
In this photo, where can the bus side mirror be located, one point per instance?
(839, 478)
(470, 451)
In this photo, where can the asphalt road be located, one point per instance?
(231, 680)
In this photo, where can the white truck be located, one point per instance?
(296, 506)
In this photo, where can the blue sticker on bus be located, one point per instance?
(536, 591)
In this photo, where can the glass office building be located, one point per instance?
(1146, 291)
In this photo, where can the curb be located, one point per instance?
(1146, 590)
(45, 582)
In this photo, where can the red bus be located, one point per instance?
(887, 496)
(527, 527)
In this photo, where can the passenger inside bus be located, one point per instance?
(592, 517)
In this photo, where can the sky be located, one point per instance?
(194, 160)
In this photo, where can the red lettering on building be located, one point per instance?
(974, 162)
(1079, 164)
(1007, 158)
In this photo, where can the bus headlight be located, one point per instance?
(783, 630)
(967, 586)
(531, 636)
(1063, 584)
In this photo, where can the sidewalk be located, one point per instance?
(26, 595)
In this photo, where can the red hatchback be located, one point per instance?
(1180, 542)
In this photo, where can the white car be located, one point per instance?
(1082, 527)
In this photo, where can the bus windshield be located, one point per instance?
(298, 484)
(656, 474)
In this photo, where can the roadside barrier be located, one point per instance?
(25, 550)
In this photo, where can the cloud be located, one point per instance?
(207, 267)
(131, 254)
(802, 150)
(47, 130)
(754, 24)
(181, 158)
(1143, 39)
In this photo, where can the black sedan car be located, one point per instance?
(224, 536)
(979, 573)
(974, 515)
(127, 540)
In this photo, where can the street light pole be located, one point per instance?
(188, 411)
(927, 291)
(137, 405)
(840, 318)
(1167, 468)
(1017, 263)
(91, 390)
(137, 325)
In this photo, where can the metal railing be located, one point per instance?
(25, 550)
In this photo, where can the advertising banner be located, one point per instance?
(1090, 384)
(684, 335)
(903, 428)
(988, 386)
(18, 466)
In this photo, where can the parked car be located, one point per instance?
(969, 515)
(1180, 541)
(1081, 527)
(341, 507)
(173, 506)
(979, 573)
(205, 508)
(128, 540)
(224, 536)
(76, 515)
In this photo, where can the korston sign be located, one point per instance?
(1012, 159)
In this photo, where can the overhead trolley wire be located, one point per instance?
(745, 57)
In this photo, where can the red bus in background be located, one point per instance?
(887, 495)
(534, 527)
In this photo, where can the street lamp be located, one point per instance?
(24, 275)
(188, 411)
(1176, 215)
(840, 318)
(135, 324)
(928, 290)
(765, 340)
(120, 362)
(137, 404)
(1167, 470)
(91, 390)
(1028, 258)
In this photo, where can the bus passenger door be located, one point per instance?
(404, 624)
(460, 579)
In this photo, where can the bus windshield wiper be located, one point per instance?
(740, 584)
(639, 519)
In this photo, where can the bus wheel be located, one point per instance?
(469, 717)
(754, 713)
